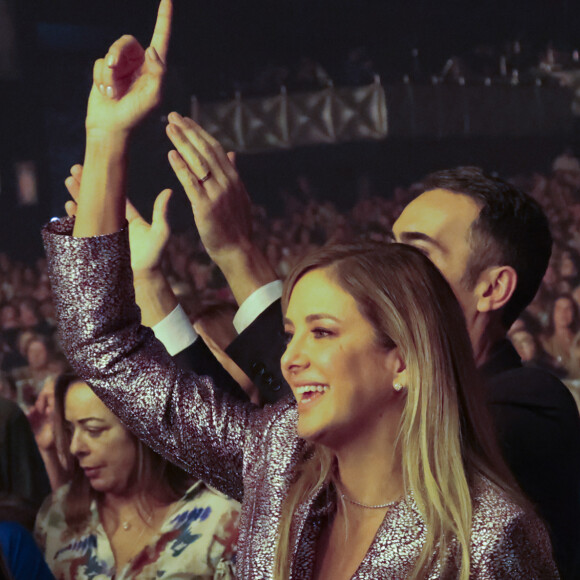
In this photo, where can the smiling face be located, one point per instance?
(104, 449)
(341, 376)
(438, 223)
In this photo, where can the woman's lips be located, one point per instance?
(91, 472)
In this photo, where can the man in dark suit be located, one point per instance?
(492, 243)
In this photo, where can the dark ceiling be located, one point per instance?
(227, 34)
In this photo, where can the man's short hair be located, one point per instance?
(511, 230)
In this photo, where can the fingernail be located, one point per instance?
(102, 88)
(110, 92)
(111, 60)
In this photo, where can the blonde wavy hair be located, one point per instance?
(444, 445)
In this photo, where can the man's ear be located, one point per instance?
(495, 287)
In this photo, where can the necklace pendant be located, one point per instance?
(126, 526)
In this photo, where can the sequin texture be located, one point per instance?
(248, 453)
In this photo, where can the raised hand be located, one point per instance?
(73, 185)
(126, 87)
(127, 82)
(221, 206)
(42, 420)
(153, 293)
(220, 202)
(41, 416)
(147, 241)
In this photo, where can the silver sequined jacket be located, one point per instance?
(248, 453)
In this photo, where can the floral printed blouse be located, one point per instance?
(197, 541)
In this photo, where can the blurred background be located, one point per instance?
(490, 83)
(464, 82)
(336, 109)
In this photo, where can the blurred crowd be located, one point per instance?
(510, 63)
(547, 335)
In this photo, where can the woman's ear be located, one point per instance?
(397, 368)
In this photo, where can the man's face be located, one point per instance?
(438, 223)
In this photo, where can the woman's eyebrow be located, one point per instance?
(86, 420)
(313, 317)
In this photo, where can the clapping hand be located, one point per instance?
(220, 202)
(147, 241)
(221, 206)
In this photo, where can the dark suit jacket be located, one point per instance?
(260, 361)
(257, 351)
(534, 413)
(198, 358)
(539, 432)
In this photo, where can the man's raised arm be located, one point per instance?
(221, 206)
(222, 212)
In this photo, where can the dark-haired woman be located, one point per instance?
(126, 512)
(563, 325)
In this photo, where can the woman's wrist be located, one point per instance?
(101, 207)
(246, 269)
(112, 141)
(153, 295)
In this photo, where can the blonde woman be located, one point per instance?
(377, 467)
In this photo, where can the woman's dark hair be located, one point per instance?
(575, 325)
(155, 478)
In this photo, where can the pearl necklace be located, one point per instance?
(343, 496)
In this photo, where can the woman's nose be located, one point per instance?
(294, 358)
(77, 445)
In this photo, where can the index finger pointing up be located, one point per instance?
(162, 32)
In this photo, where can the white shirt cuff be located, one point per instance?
(175, 331)
(256, 303)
